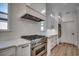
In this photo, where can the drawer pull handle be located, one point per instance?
(25, 46)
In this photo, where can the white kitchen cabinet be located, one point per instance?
(52, 41)
(10, 51)
(23, 50)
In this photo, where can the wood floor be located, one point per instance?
(65, 50)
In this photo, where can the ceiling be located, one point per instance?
(57, 9)
(62, 7)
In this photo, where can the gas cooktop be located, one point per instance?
(32, 37)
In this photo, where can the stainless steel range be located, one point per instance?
(38, 44)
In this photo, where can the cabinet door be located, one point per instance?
(52, 41)
(23, 50)
(8, 51)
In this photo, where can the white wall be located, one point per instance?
(68, 27)
(18, 26)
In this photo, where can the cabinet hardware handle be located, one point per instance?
(25, 46)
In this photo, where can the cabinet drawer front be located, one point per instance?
(8, 52)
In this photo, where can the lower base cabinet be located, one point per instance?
(23, 50)
(52, 42)
(10, 51)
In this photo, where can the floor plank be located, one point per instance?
(64, 49)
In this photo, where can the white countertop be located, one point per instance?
(17, 42)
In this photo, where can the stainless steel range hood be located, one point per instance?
(31, 17)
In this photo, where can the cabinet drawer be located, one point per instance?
(8, 51)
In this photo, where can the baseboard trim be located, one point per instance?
(68, 43)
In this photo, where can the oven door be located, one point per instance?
(40, 50)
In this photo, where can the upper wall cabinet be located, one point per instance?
(3, 16)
